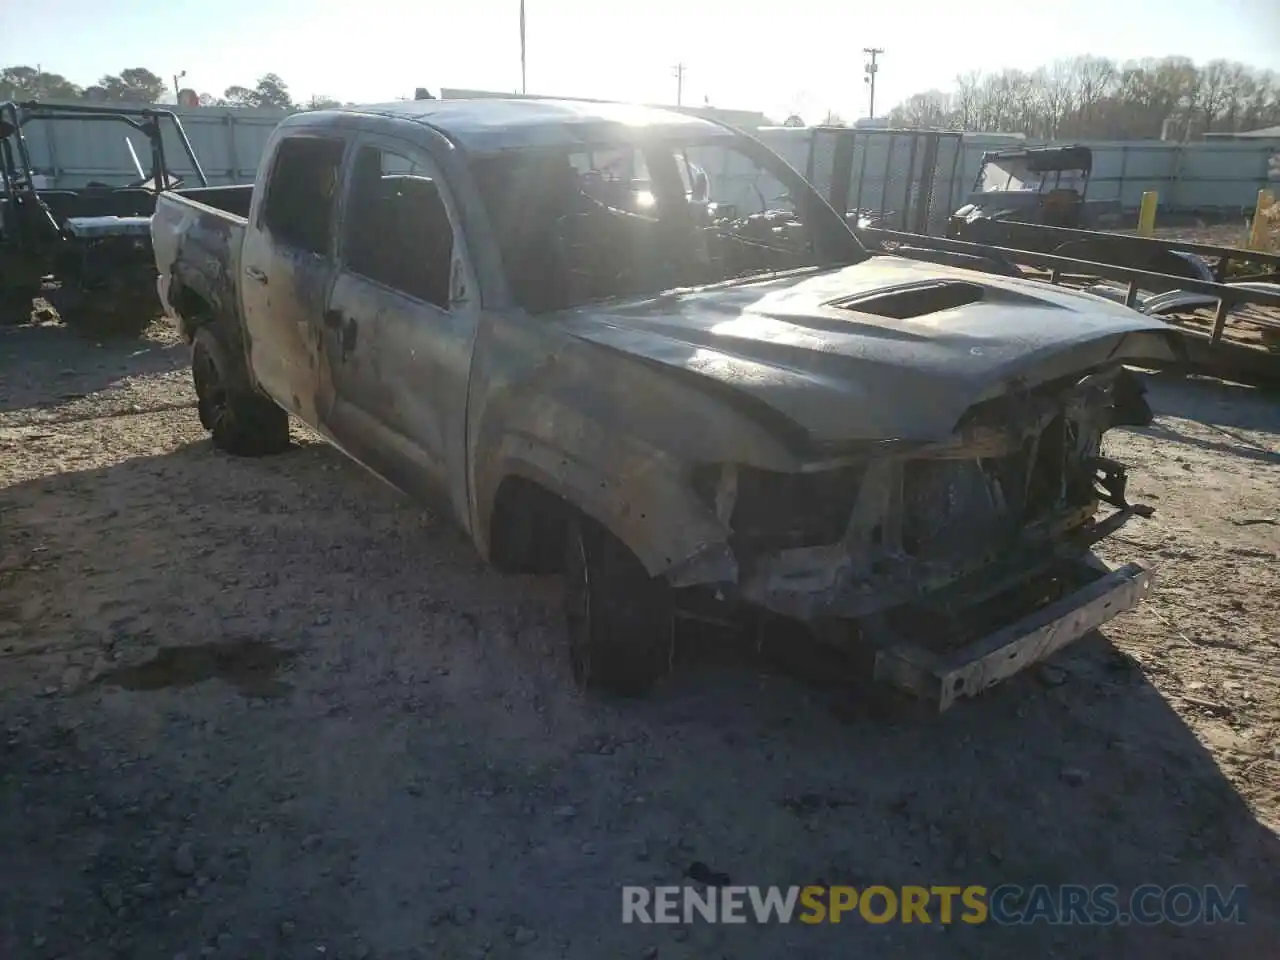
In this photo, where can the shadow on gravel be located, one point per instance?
(249, 665)
(434, 733)
(1213, 402)
(46, 365)
(1225, 408)
(1231, 443)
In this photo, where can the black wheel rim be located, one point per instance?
(577, 588)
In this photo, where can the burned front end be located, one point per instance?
(959, 562)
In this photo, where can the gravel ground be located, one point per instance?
(268, 708)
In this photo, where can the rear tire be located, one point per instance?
(242, 421)
(620, 624)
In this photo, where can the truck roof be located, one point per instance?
(495, 125)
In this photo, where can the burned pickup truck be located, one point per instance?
(636, 347)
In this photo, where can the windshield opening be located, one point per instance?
(588, 223)
(1010, 175)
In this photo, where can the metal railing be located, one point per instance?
(1228, 295)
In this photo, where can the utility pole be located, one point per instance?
(871, 69)
(678, 72)
(524, 87)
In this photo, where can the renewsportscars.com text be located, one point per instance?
(1006, 905)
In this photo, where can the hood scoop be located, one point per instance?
(913, 300)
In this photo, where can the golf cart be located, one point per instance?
(95, 242)
(1034, 199)
(1034, 185)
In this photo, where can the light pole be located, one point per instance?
(176, 91)
(871, 69)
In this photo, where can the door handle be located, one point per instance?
(333, 319)
(256, 275)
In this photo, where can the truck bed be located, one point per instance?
(197, 250)
(232, 199)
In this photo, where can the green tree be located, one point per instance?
(237, 96)
(26, 83)
(273, 92)
(269, 91)
(135, 85)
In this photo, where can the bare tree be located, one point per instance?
(966, 100)
(1095, 97)
(1219, 88)
(930, 109)
(1093, 79)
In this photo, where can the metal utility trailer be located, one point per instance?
(96, 241)
(1207, 348)
(897, 189)
(896, 179)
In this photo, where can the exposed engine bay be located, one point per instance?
(957, 563)
(1015, 489)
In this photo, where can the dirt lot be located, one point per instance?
(270, 709)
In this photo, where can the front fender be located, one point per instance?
(641, 495)
(610, 434)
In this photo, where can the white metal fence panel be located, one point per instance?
(229, 144)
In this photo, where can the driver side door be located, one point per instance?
(400, 323)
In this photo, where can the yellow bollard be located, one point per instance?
(1258, 232)
(1147, 213)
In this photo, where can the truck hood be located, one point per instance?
(887, 349)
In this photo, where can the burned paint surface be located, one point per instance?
(824, 443)
(847, 374)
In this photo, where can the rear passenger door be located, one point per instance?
(401, 321)
(287, 268)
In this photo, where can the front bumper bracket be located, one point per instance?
(945, 678)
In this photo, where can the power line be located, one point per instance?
(871, 69)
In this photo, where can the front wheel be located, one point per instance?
(242, 421)
(619, 618)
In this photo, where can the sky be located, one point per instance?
(801, 56)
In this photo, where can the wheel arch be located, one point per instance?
(192, 309)
(651, 508)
